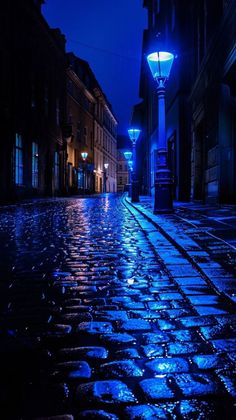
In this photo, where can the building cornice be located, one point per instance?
(76, 80)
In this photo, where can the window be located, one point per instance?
(120, 179)
(18, 160)
(120, 167)
(56, 170)
(35, 165)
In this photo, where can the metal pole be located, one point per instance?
(163, 181)
(129, 182)
(134, 191)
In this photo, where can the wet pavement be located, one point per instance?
(108, 312)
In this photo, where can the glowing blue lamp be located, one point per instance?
(160, 64)
(134, 134)
(128, 155)
(84, 155)
(130, 164)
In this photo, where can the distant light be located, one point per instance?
(106, 165)
(134, 134)
(84, 155)
(128, 155)
(160, 64)
(130, 164)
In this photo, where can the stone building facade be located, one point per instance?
(92, 127)
(52, 110)
(200, 96)
(32, 104)
(213, 103)
(80, 126)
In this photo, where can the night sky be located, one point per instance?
(107, 34)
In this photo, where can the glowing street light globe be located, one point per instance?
(160, 64)
(128, 155)
(130, 164)
(106, 165)
(134, 134)
(84, 155)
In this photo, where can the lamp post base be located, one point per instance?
(135, 192)
(163, 193)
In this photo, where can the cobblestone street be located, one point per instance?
(107, 313)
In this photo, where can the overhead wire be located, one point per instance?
(104, 50)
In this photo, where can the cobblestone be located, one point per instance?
(122, 368)
(197, 384)
(168, 365)
(103, 317)
(156, 389)
(109, 392)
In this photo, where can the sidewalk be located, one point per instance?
(205, 235)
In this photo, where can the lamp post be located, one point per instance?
(128, 156)
(160, 64)
(134, 135)
(105, 177)
(84, 156)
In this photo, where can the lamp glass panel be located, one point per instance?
(160, 64)
(134, 133)
(84, 155)
(128, 155)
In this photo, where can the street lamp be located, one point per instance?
(134, 135)
(128, 156)
(160, 64)
(105, 177)
(130, 164)
(84, 156)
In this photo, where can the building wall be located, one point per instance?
(200, 95)
(80, 112)
(32, 104)
(166, 19)
(105, 146)
(98, 152)
(212, 101)
(123, 178)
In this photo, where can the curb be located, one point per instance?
(154, 220)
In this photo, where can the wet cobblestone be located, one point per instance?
(102, 317)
